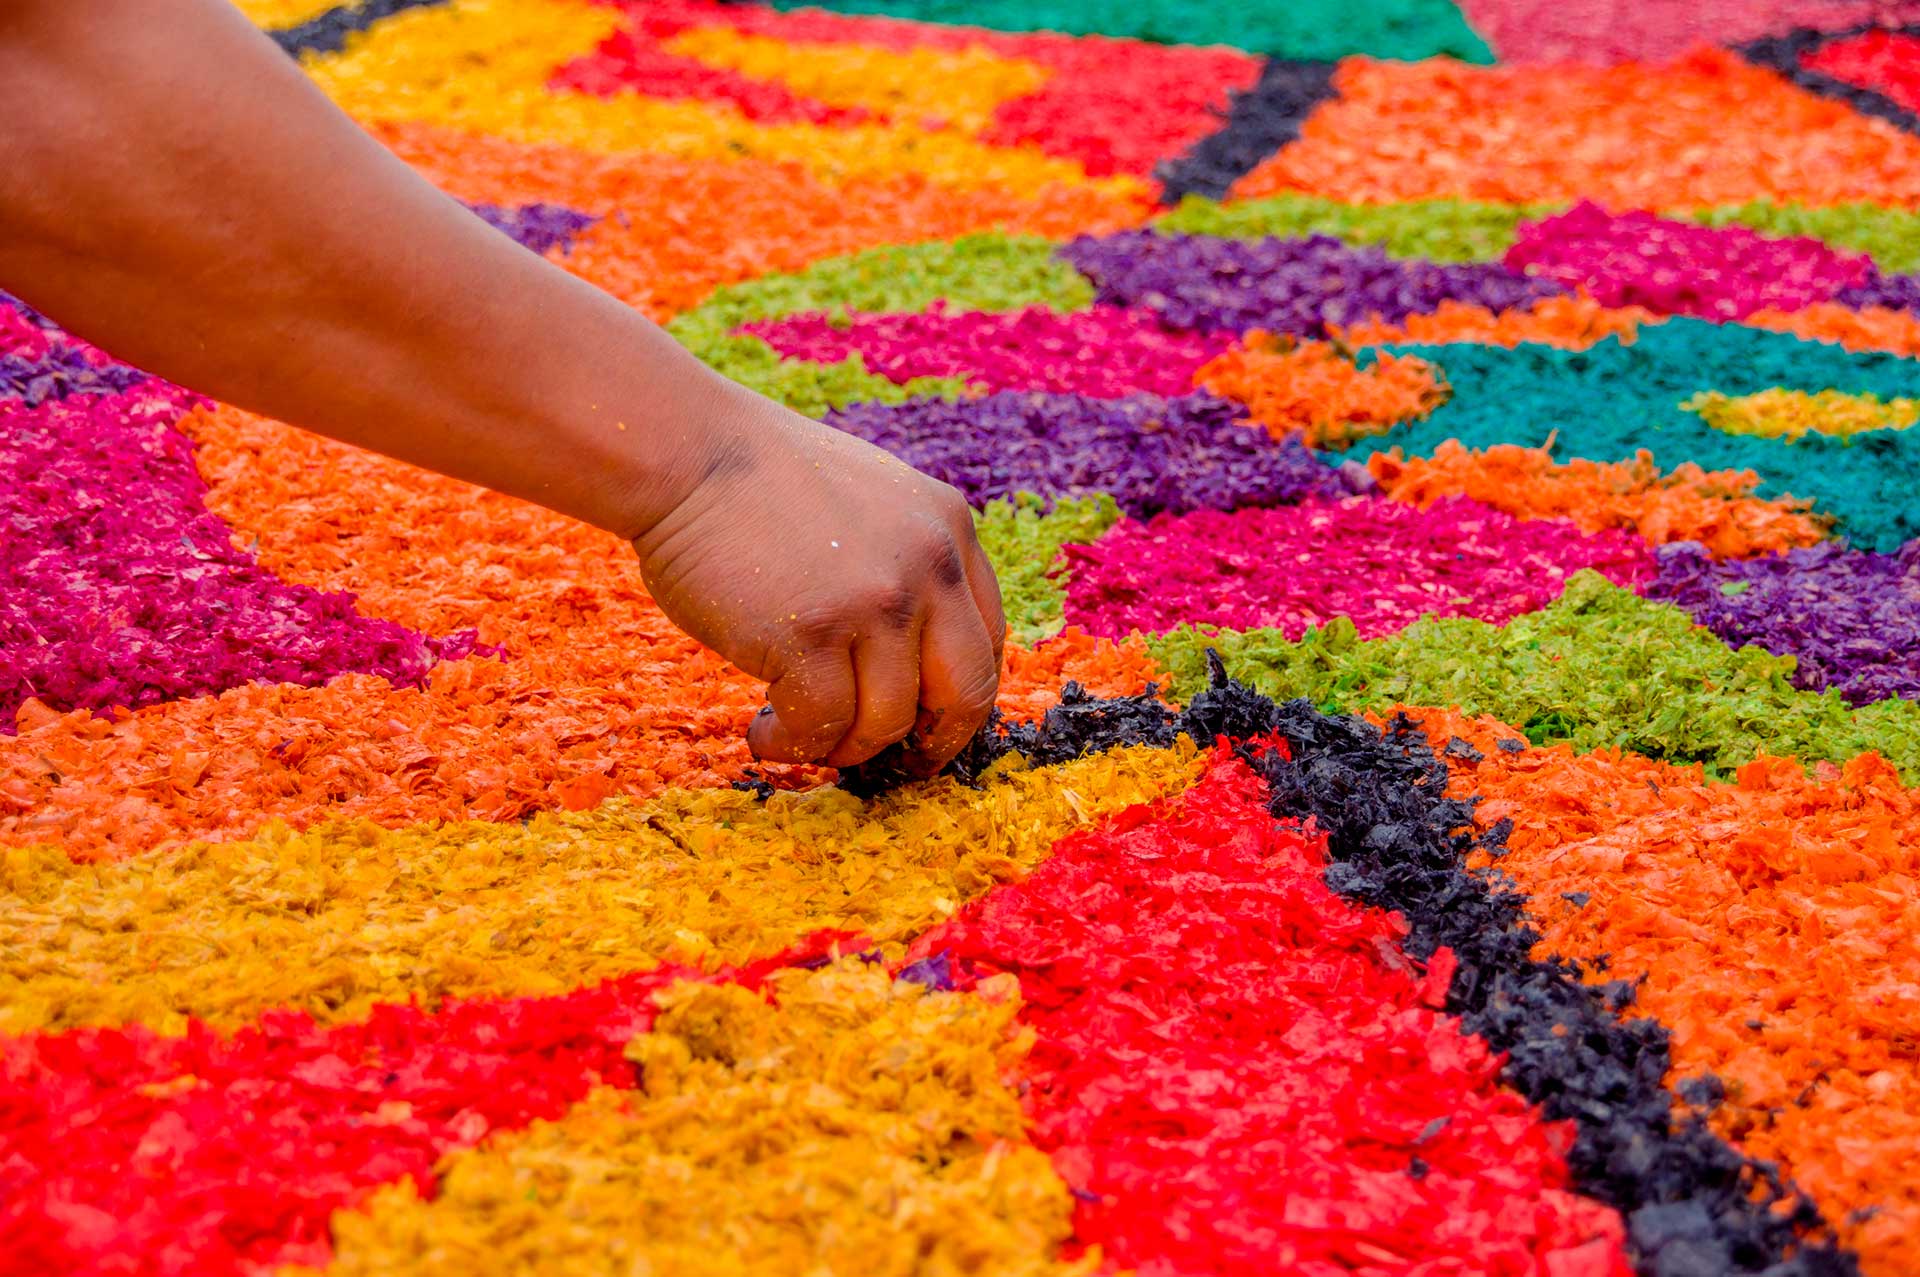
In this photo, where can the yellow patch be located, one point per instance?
(483, 65)
(1789, 414)
(274, 15)
(959, 89)
(340, 917)
(859, 1126)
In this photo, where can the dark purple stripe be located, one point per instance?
(1895, 292)
(1849, 617)
(1295, 286)
(1194, 452)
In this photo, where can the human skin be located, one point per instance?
(174, 189)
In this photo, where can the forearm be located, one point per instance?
(173, 189)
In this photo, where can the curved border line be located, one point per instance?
(1782, 54)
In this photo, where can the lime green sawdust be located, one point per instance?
(1599, 668)
(1437, 230)
(1472, 231)
(1022, 539)
(1891, 235)
(974, 272)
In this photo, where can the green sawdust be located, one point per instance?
(1474, 231)
(1891, 235)
(1601, 668)
(1436, 230)
(1022, 538)
(974, 272)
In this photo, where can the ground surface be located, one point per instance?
(382, 890)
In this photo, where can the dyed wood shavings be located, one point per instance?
(1450, 809)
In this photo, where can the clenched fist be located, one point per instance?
(851, 583)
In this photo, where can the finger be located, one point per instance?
(886, 675)
(958, 680)
(985, 585)
(810, 707)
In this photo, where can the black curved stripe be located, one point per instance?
(1782, 53)
(1259, 121)
(328, 33)
(1694, 1206)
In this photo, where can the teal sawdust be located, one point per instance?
(1608, 402)
(1305, 29)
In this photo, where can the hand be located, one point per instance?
(850, 582)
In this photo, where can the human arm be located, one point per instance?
(175, 190)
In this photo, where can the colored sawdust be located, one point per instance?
(1573, 323)
(1380, 564)
(1888, 62)
(854, 1124)
(1715, 508)
(273, 14)
(1874, 328)
(935, 87)
(597, 693)
(484, 66)
(1773, 924)
(1599, 667)
(1318, 393)
(344, 916)
(658, 258)
(1196, 1117)
(1705, 129)
(1788, 414)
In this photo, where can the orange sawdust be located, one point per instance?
(596, 693)
(1714, 507)
(1775, 926)
(653, 253)
(1574, 323)
(1872, 328)
(1707, 129)
(1317, 393)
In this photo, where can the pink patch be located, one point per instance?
(1106, 352)
(1677, 268)
(1611, 31)
(1607, 32)
(1381, 563)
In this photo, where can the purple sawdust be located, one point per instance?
(1895, 292)
(1296, 286)
(1382, 563)
(537, 226)
(1153, 454)
(1849, 617)
(119, 588)
(1106, 352)
(1678, 268)
(38, 362)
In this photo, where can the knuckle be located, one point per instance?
(940, 552)
(819, 626)
(895, 605)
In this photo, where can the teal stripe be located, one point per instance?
(1319, 30)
